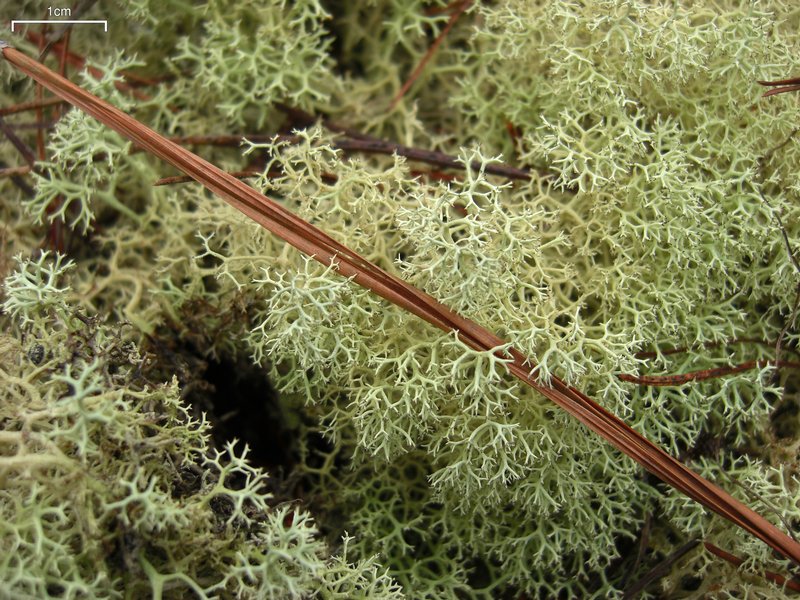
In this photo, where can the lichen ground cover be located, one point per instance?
(657, 235)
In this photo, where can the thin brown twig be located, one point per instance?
(62, 30)
(46, 42)
(683, 350)
(377, 145)
(25, 151)
(79, 62)
(362, 143)
(644, 542)
(245, 174)
(790, 322)
(12, 171)
(40, 151)
(459, 10)
(762, 165)
(346, 145)
(304, 119)
(62, 56)
(704, 374)
(26, 106)
(19, 181)
(792, 584)
(321, 247)
(789, 250)
(662, 569)
(771, 152)
(33, 125)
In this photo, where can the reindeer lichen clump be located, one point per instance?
(647, 224)
(110, 484)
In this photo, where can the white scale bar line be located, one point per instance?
(105, 23)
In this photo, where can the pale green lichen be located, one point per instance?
(110, 488)
(642, 227)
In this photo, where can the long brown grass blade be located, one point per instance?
(314, 242)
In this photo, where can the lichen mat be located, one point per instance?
(315, 243)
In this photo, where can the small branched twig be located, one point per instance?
(18, 179)
(16, 173)
(25, 151)
(662, 569)
(34, 125)
(62, 64)
(762, 163)
(367, 143)
(459, 9)
(702, 375)
(56, 235)
(644, 542)
(792, 584)
(684, 350)
(26, 106)
(245, 174)
(63, 30)
(790, 322)
(360, 143)
(40, 150)
(13, 171)
(79, 62)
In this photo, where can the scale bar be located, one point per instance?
(77, 22)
